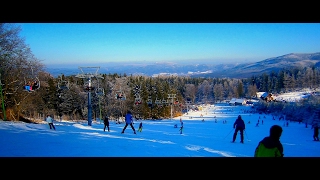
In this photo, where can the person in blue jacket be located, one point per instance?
(129, 121)
(238, 125)
(49, 120)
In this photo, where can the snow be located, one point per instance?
(159, 138)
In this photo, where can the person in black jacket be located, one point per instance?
(140, 127)
(315, 128)
(106, 123)
(239, 125)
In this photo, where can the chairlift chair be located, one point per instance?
(99, 91)
(149, 101)
(157, 101)
(31, 86)
(164, 102)
(63, 85)
(137, 99)
(120, 95)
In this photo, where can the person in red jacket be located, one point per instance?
(238, 125)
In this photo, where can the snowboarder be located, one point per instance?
(140, 127)
(129, 121)
(239, 125)
(315, 128)
(270, 146)
(106, 123)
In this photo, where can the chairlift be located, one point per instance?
(137, 99)
(120, 95)
(62, 84)
(164, 102)
(149, 101)
(157, 101)
(137, 89)
(176, 102)
(31, 86)
(99, 91)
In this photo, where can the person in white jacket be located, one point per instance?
(49, 120)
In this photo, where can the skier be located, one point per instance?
(181, 128)
(128, 119)
(238, 125)
(270, 146)
(106, 123)
(315, 128)
(140, 127)
(49, 119)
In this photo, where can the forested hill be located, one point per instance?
(199, 69)
(293, 60)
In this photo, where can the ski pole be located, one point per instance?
(246, 135)
(228, 134)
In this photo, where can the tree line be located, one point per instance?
(147, 97)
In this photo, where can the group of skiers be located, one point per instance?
(269, 146)
(128, 120)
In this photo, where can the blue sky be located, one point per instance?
(76, 43)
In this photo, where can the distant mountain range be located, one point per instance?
(236, 70)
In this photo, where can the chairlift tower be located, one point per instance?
(188, 103)
(171, 96)
(2, 102)
(89, 88)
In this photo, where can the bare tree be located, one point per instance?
(17, 65)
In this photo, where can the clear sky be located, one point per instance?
(62, 43)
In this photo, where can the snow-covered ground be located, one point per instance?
(204, 135)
